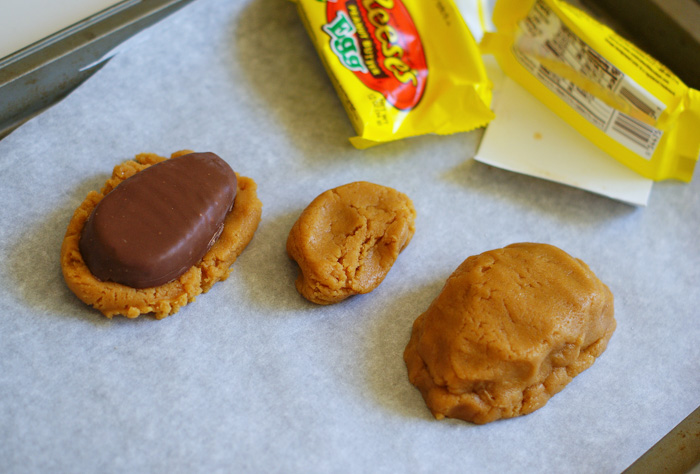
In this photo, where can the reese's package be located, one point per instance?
(617, 96)
(401, 67)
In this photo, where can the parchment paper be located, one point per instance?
(253, 378)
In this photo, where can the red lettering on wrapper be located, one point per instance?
(389, 46)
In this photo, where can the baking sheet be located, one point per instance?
(251, 377)
(21, 25)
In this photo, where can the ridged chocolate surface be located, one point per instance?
(155, 225)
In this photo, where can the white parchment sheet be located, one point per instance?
(253, 378)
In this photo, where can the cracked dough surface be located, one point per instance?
(348, 238)
(510, 329)
(113, 298)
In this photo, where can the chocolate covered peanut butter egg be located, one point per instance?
(155, 225)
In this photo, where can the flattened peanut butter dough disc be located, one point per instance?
(112, 298)
(348, 238)
(510, 329)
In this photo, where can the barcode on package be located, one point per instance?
(543, 36)
(637, 101)
(640, 99)
(635, 135)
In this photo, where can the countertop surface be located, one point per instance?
(253, 378)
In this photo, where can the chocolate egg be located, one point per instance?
(157, 224)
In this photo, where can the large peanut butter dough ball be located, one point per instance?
(510, 329)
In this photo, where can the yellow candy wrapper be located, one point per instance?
(401, 67)
(617, 96)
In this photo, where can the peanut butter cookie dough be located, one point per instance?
(509, 330)
(112, 298)
(347, 240)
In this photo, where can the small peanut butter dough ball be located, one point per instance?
(348, 238)
(509, 330)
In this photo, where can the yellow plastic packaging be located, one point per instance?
(401, 67)
(617, 96)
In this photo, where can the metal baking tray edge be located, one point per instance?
(677, 452)
(39, 75)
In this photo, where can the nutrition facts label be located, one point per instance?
(571, 69)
